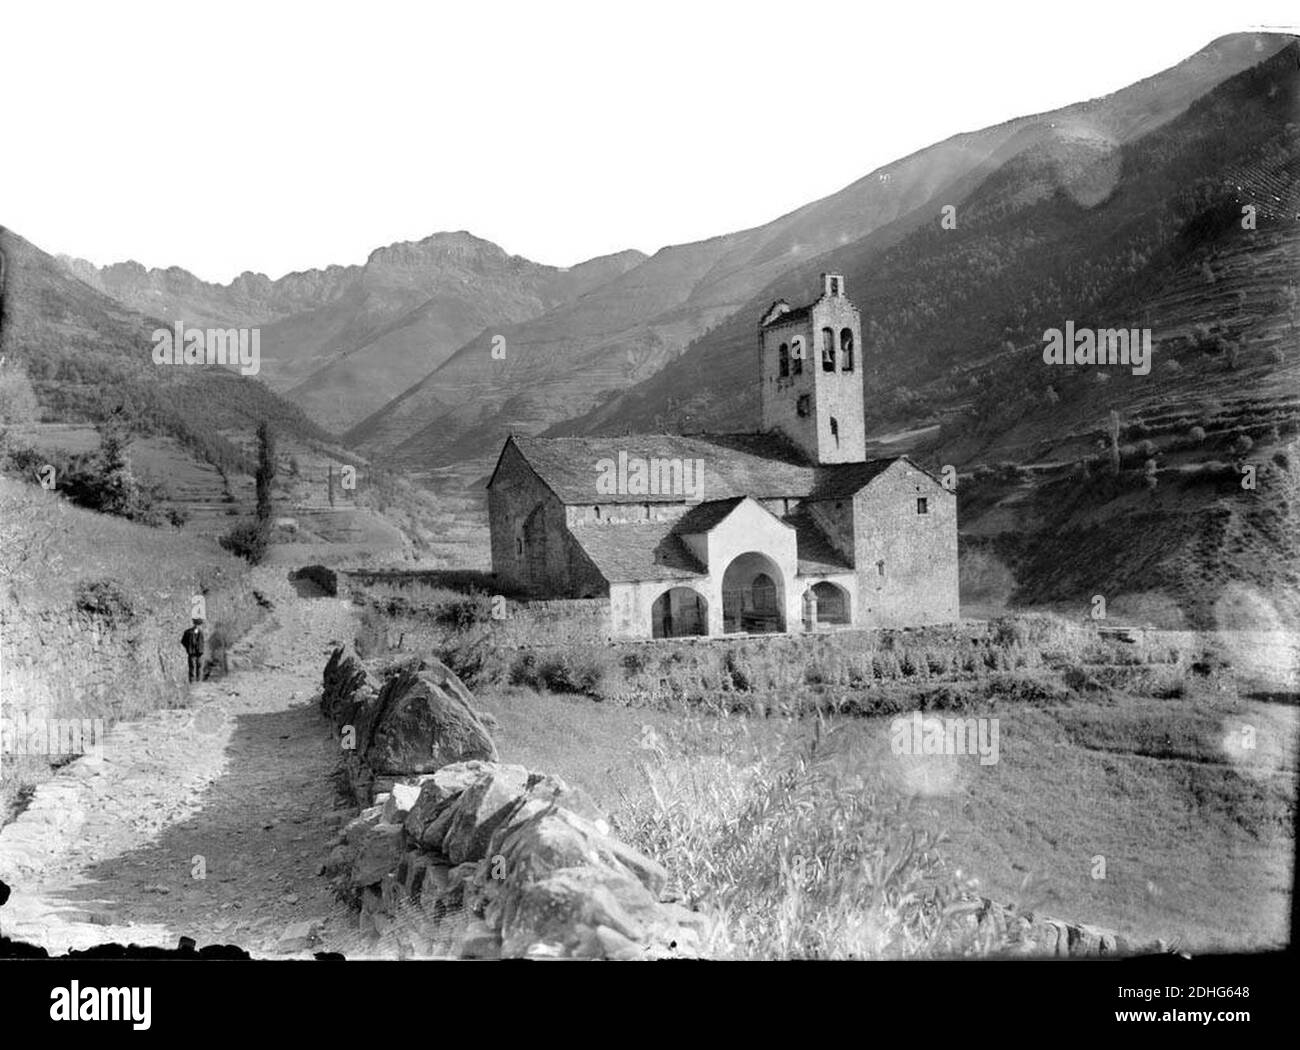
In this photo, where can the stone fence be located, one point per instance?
(456, 854)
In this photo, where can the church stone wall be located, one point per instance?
(906, 561)
(532, 549)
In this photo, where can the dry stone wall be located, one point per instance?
(456, 853)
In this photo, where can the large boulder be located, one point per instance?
(445, 678)
(415, 726)
(346, 687)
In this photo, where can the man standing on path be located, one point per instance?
(194, 642)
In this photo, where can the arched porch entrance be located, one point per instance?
(753, 595)
(826, 603)
(679, 613)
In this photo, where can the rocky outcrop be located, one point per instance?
(458, 854)
(415, 719)
(1009, 931)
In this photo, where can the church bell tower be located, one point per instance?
(810, 374)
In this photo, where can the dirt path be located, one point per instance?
(210, 823)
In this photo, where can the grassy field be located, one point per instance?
(1147, 785)
(1147, 816)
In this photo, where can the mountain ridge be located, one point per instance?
(565, 365)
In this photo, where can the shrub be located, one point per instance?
(1080, 680)
(247, 540)
(25, 461)
(884, 666)
(465, 612)
(105, 598)
(739, 678)
(523, 670)
(322, 576)
(572, 672)
(1024, 689)
(474, 658)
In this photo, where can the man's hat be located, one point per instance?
(198, 619)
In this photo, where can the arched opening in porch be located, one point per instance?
(679, 613)
(753, 595)
(826, 603)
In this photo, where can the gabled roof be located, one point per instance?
(764, 466)
(643, 551)
(817, 555)
(706, 516)
(844, 479)
(568, 466)
(779, 306)
(798, 313)
(656, 551)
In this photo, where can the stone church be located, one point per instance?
(788, 529)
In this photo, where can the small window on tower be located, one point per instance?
(835, 429)
(846, 349)
(922, 505)
(880, 567)
(783, 358)
(796, 356)
(828, 350)
(802, 405)
(835, 286)
(519, 546)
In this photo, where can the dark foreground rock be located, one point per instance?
(456, 853)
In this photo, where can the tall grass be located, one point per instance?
(793, 860)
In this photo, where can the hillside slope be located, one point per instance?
(702, 295)
(1074, 226)
(342, 341)
(88, 355)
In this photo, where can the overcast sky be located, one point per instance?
(268, 136)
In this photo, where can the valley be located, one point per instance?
(1127, 558)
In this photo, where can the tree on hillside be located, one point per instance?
(265, 471)
(250, 539)
(104, 481)
(117, 483)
